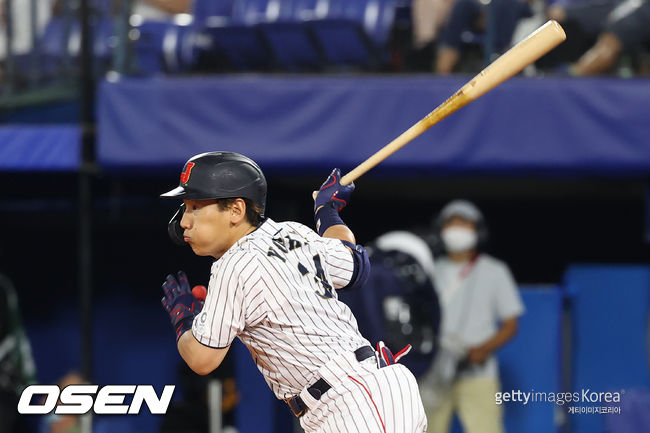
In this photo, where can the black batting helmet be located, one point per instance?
(221, 175)
(215, 175)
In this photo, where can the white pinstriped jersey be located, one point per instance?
(275, 290)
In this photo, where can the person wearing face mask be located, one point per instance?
(480, 308)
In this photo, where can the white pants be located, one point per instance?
(365, 399)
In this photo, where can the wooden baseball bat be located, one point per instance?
(538, 43)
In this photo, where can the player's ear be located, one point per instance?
(237, 211)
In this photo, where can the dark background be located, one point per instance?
(537, 225)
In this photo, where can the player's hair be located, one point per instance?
(253, 211)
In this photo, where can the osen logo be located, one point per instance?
(80, 399)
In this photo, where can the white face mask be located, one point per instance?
(459, 239)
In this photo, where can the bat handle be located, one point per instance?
(347, 179)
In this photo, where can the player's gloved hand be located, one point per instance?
(329, 200)
(180, 303)
(387, 356)
(333, 193)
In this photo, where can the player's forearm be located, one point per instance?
(201, 359)
(507, 331)
(340, 232)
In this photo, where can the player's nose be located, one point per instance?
(186, 221)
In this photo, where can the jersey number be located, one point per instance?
(319, 278)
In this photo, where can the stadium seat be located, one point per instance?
(259, 35)
(307, 10)
(166, 46)
(60, 44)
(234, 43)
(233, 47)
(379, 19)
(148, 47)
(104, 32)
(340, 34)
(354, 31)
(174, 45)
(292, 46)
(180, 47)
(203, 9)
(54, 43)
(251, 12)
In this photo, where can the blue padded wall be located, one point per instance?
(40, 148)
(526, 126)
(133, 344)
(258, 410)
(609, 311)
(254, 410)
(531, 362)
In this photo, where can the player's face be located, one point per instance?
(207, 228)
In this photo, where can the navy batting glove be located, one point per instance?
(180, 303)
(333, 192)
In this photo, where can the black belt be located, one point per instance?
(320, 387)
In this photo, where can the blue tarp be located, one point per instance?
(40, 148)
(590, 126)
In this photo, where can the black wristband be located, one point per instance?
(326, 217)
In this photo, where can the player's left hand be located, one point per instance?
(331, 191)
(478, 355)
(180, 303)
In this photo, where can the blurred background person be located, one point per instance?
(495, 19)
(428, 17)
(480, 306)
(610, 28)
(22, 35)
(17, 369)
(21, 12)
(54, 423)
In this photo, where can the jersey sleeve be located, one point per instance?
(508, 301)
(224, 314)
(339, 261)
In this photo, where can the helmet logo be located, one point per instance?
(185, 175)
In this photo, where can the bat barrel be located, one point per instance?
(538, 43)
(513, 61)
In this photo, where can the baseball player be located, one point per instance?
(273, 285)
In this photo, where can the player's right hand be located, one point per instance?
(333, 193)
(180, 303)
